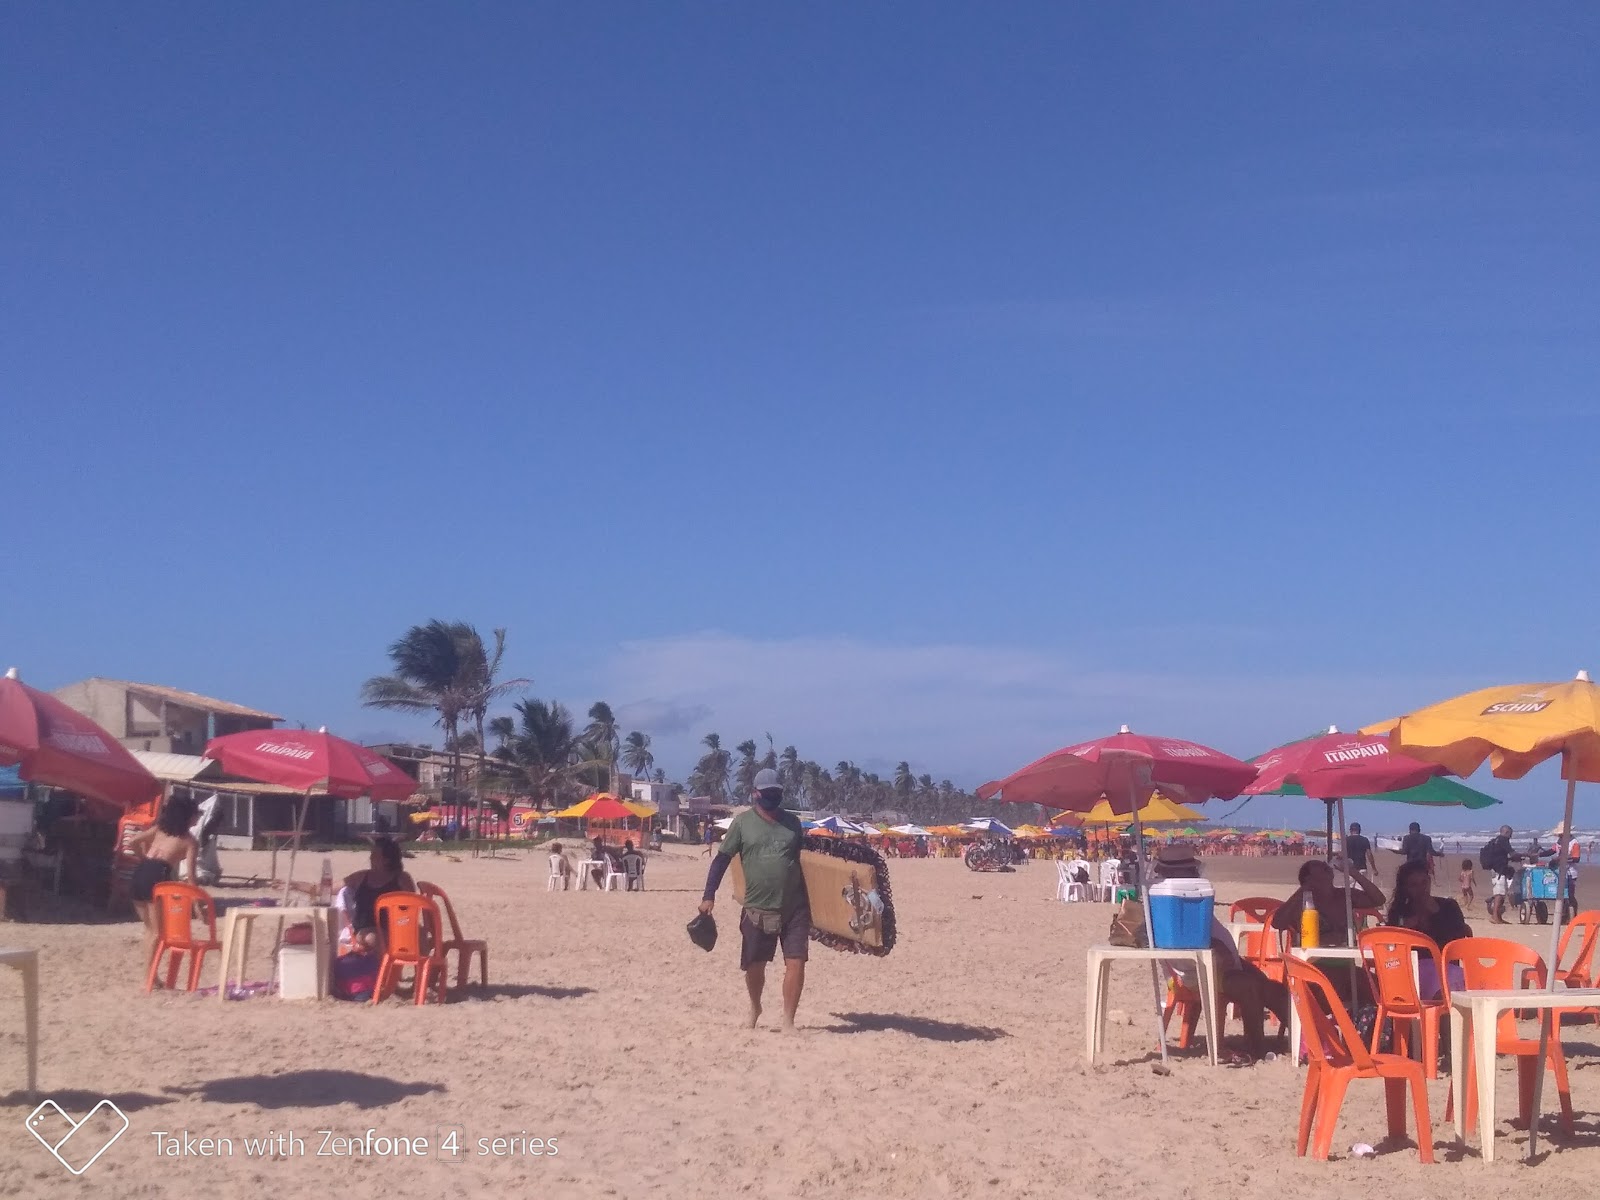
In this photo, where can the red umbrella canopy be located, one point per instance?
(1336, 764)
(59, 746)
(608, 808)
(310, 762)
(1124, 769)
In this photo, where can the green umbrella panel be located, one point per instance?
(1438, 792)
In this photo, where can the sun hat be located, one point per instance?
(1176, 856)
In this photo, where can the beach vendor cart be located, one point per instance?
(1533, 891)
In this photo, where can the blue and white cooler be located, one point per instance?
(1180, 914)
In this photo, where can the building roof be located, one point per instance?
(188, 699)
(174, 768)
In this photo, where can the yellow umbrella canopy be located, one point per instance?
(1160, 808)
(1515, 728)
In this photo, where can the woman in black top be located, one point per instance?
(1415, 906)
(385, 875)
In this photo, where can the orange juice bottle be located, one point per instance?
(1310, 925)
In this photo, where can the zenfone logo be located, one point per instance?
(77, 1142)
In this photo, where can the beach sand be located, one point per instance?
(952, 1068)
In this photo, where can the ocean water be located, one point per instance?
(1474, 839)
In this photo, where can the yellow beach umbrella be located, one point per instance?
(1160, 808)
(1030, 831)
(1514, 728)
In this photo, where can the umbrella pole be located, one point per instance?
(1349, 901)
(1550, 1018)
(1149, 924)
(294, 846)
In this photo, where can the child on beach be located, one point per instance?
(1468, 882)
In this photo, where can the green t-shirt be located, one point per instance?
(769, 852)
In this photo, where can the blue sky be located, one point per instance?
(939, 382)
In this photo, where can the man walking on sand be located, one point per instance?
(776, 910)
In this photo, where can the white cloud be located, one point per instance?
(965, 712)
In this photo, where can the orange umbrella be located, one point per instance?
(1514, 728)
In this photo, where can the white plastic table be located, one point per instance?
(1099, 977)
(320, 918)
(1478, 1013)
(584, 869)
(27, 962)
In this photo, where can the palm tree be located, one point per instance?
(660, 776)
(429, 676)
(503, 730)
(636, 754)
(710, 775)
(788, 761)
(603, 737)
(769, 760)
(748, 766)
(904, 781)
(547, 750)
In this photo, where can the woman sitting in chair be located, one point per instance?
(161, 847)
(1415, 907)
(361, 892)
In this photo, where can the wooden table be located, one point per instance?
(1477, 1014)
(27, 962)
(1099, 976)
(321, 919)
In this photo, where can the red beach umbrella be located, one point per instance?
(1334, 765)
(309, 762)
(60, 747)
(1125, 769)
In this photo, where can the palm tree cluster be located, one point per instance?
(846, 788)
(446, 669)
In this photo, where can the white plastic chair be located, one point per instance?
(633, 868)
(614, 877)
(1110, 878)
(1063, 880)
(1074, 892)
(558, 874)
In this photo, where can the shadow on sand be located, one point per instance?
(922, 1027)
(308, 1089)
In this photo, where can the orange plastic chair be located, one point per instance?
(1367, 918)
(411, 933)
(1494, 964)
(1254, 908)
(464, 948)
(1580, 973)
(1388, 954)
(175, 904)
(1264, 949)
(1338, 1056)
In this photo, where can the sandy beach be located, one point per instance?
(952, 1068)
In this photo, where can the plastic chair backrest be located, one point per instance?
(1261, 946)
(436, 894)
(175, 903)
(1367, 918)
(402, 917)
(1581, 969)
(1330, 1034)
(1494, 964)
(1254, 908)
(1388, 953)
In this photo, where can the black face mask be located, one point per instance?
(770, 806)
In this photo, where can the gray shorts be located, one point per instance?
(761, 932)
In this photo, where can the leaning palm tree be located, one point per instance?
(429, 676)
(636, 755)
(444, 668)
